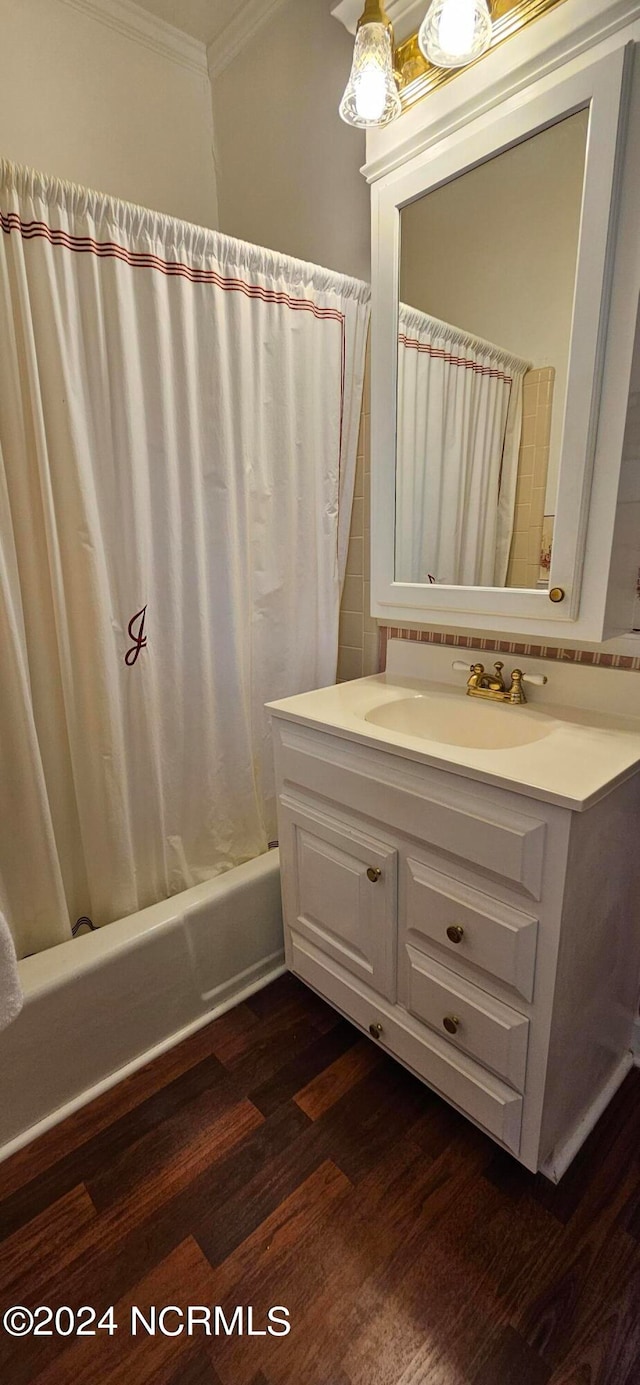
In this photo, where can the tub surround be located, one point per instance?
(472, 906)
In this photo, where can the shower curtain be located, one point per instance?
(459, 425)
(178, 427)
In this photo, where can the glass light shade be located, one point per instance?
(371, 97)
(454, 32)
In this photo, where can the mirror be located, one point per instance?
(487, 274)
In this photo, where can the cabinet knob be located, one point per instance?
(451, 1023)
(373, 874)
(557, 594)
(455, 933)
(375, 1030)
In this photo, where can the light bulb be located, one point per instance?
(457, 27)
(371, 96)
(454, 32)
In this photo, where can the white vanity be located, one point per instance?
(461, 876)
(462, 880)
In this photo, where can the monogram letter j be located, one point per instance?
(136, 633)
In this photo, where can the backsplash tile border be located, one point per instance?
(565, 654)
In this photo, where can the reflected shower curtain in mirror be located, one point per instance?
(459, 425)
(179, 416)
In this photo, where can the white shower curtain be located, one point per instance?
(178, 428)
(459, 425)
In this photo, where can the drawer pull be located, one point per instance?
(373, 874)
(455, 933)
(375, 1030)
(451, 1023)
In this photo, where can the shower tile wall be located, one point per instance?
(358, 639)
(533, 465)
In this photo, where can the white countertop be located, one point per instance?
(583, 756)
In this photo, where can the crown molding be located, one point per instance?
(240, 30)
(405, 15)
(137, 24)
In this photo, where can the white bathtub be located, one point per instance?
(102, 1005)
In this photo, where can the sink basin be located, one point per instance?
(462, 721)
(560, 751)
(563, 751)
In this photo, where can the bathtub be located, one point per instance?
(104, 1004)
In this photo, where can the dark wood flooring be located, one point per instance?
(279, 1158)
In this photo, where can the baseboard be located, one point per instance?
(563, 1155)
(261, 975)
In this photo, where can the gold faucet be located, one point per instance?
(492, 685)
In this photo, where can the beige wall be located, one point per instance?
(494, 252)
(84, 102)
(288, 167)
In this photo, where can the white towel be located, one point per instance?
(11, 997)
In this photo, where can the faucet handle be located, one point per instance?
(539, 679)
(515, 693)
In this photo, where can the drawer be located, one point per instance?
(452, 1073)
(484, 828)
(469, 1018)
(485, 933)
(340, 891)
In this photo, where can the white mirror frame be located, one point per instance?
(602, 87)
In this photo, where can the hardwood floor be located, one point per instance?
(279, 1158)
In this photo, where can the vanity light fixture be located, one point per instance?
(371, 96)
(454, 32)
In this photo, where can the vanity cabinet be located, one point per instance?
(483, 938)
(335, 865)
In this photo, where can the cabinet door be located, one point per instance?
(341, 891)
(590, 404)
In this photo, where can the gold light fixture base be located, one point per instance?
(374, 13)
(418, 77)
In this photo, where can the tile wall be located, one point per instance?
(358, 642)
(572, 654)
(533, 466)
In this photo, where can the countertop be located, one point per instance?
(583, 757)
